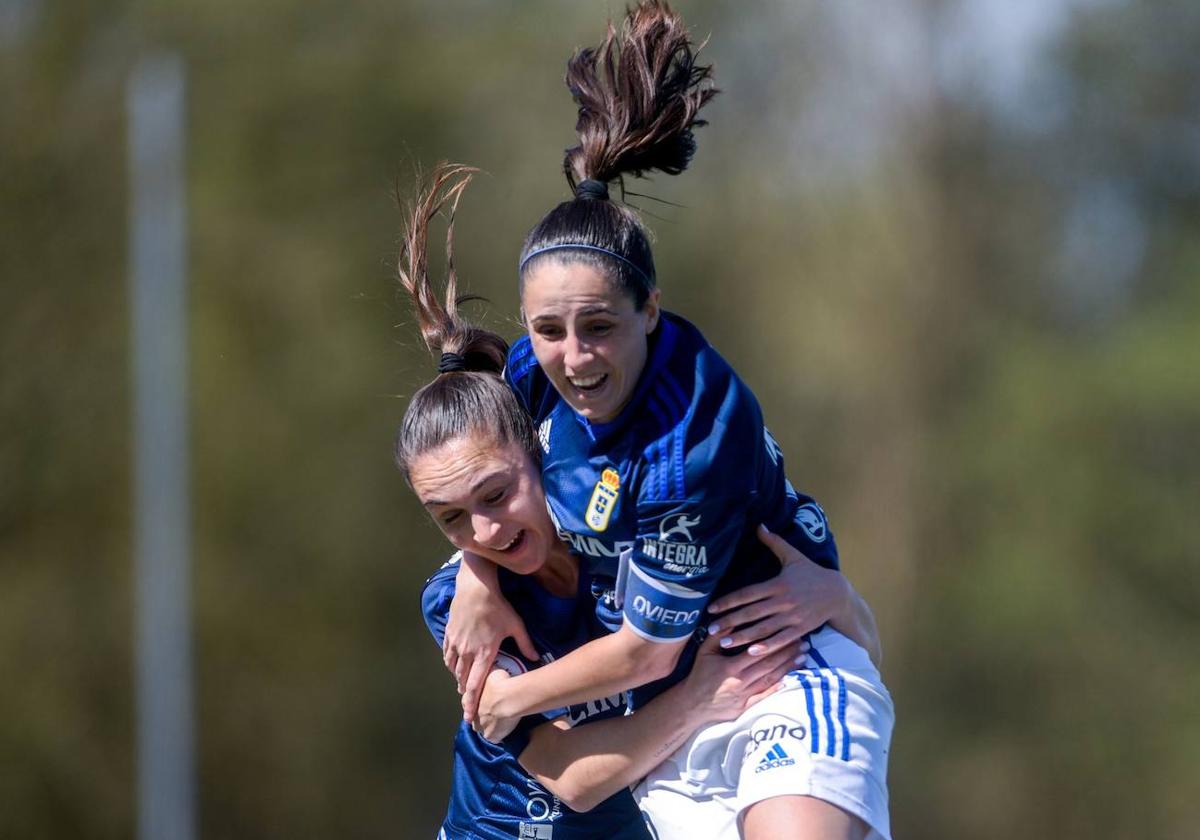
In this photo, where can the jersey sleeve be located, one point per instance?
(436, 597)
(799, 519)
(682, 549)
(527, 381)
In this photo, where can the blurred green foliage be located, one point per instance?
(967, 304)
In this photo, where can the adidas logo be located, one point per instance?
(775, 757)
(544, 434)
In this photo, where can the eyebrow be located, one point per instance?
(594, 309)
(474, 488)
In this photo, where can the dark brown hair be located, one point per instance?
(473, 397)
(639, 94)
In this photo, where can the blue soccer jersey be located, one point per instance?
(492, 797)
(664, 501)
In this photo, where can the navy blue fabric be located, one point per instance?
(677, 483)
(492, 796)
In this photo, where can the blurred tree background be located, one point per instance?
(952, 244)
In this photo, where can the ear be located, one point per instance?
(651, 309)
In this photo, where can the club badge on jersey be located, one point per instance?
(604, 499)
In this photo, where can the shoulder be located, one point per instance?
(436, 595)
(699, 417)
(525, 377)
(521, 362)
(697, 385)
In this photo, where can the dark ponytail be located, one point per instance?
(468, 394)
(639, 94)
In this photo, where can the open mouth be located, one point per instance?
(587, 385)
(515, 543)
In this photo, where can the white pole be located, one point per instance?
(158, 315)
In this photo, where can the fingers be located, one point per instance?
(787, 636)
(769, 689)
(450, 659)
(525, 643)
(771, 667)
(748, 615)
(781, 548)
(462, 668)
(740, 597)
(756, 633)
(474, 686)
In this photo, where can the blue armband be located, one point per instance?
(659, 610)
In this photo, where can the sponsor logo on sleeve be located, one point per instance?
(663, 616)
(604, 499)
(680, 524)
(774, 759)
(775, 733)
(812, 520)
(675, 548)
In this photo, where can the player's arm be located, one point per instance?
(602, 667)
(480, 618)
(661, 605)
(586, 764)
(802, 597)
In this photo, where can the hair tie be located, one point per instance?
(451, 363)
(591, 188)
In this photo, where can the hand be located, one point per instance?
(480, 619)
(486, 723)
(722, 687)
(771, 615)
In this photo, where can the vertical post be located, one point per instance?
(162, 533)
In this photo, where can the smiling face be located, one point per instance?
(487, 499)
(588, 337)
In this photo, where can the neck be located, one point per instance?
(559, 575)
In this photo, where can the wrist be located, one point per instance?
(496, 699)
(695, 698)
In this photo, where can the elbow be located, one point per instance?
(581, 801)
(579, 797)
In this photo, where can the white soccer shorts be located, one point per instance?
(826, 735)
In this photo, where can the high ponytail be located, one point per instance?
(442, 329)
(468, 394)
(639, 94)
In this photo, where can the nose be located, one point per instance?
(576, 352)
(486, 528)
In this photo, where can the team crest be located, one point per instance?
(604, 499)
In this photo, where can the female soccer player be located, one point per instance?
(658, 469)
(469, 451)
